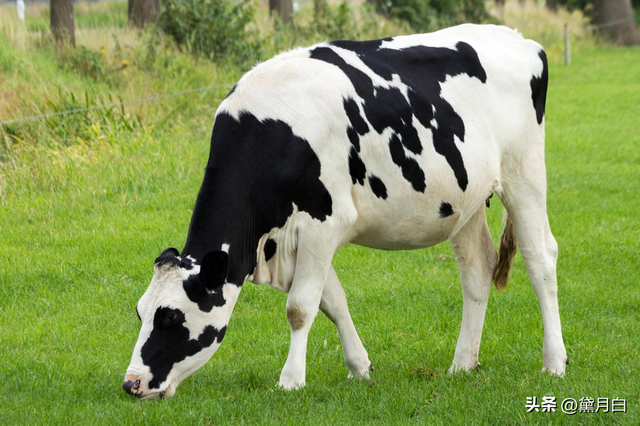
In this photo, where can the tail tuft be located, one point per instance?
(508, 247)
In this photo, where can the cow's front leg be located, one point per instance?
(312, 266)
(334, 305)
(476, 258)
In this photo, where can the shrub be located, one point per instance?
(92, 64)
(215, 29)
(334, 22)
(426, 15)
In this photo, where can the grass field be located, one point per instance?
(80, 225)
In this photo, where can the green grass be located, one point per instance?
(81, 224)
(86, 15)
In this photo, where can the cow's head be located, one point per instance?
(184, 315)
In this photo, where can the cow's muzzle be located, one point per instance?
(134, 386)
(131, 387)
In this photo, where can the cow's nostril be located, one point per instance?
(129, 386)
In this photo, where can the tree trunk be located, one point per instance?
(616, 19)
(141, 12)
(62, 27)
(284, 9)
(552, 5)
(499, 4)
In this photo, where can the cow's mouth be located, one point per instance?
(138, 389)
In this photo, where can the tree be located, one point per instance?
(141, 12)
(552, 5)
(616, 19)
(284, 9)
(62, 26)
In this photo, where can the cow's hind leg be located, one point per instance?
(524, 195)
(476, 258)
(315, 250)
(334, 305)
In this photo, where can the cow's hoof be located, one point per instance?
(557, 371)
(290, 386)
(458, 368)
(556, 367)
(362, 374)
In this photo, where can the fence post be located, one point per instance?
(567, 46)
(20, 5)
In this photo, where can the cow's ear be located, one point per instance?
(213, 270)
(167, 257)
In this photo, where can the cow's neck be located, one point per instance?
(257, 172)
(222, 221)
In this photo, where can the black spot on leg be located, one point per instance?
(539, 88)
(270, 249)
(445, 210)
(378, 187)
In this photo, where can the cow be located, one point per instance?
(392, 144)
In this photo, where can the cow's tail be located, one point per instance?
(507, 252)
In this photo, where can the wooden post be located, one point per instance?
(284, 9)
(567, 46)
(141, 12)
(62, 27)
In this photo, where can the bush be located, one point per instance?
(333, 22)
(92, 64)
(215, 29)
(426, 15)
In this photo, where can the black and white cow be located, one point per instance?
(391, 144)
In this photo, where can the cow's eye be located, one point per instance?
(170, 317)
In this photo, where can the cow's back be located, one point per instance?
(410, 131)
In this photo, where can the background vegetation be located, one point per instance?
(88, 200)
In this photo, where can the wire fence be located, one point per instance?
(566, 34)
(114, 104)
(590, 28)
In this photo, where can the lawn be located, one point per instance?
(80, 226)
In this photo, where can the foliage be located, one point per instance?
(215, 29)
(82, 127)
(335, 22)
(88, 63)
(432, 14)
